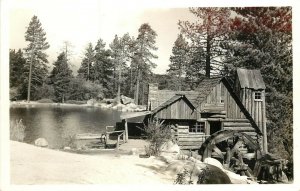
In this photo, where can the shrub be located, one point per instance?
(157, 134)
(45, 101)
(75, 102)
(69, 137)
(182, 178)
(17, 130)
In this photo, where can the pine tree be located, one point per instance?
(262, 39)
(179, 60)
(142, 59)
(102, 70)
(17, 63)
(16, 67)
(60, 77)
(208, 34)
(121, 53)
(35, 55)
(85, 69)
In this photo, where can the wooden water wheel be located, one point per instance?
(237, 152)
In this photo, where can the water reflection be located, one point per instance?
(53, 123)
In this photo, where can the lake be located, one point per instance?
(53, 123)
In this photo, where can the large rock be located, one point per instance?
(126, 100)
(170, 147)
(91, 102)
(213, 162)
(209, 173)
(41, 142)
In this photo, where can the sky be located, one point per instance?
(80, 22)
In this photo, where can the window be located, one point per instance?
(257, 96)
(198, 127)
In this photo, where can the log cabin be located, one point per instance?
(216, 104)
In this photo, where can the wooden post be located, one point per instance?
(228, 157)
(124, 140)
(126, 130)
(264, 125)
(118, 142)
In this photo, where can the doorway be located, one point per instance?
(214, 126)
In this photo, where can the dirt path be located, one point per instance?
(34, 165)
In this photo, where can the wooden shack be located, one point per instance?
(216, 104)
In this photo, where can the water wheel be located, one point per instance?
(237, 152)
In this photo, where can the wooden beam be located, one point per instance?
(245, 129)
(236, 120)
(126, 130)
(239, 124)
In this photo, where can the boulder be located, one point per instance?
(126, 100)
(170, 147)
(91, 102)
(41, 142)
(213, 162)
(209, 173)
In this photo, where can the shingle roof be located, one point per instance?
(171, 101)
(204, 88)
(250, 79)
(195, 97)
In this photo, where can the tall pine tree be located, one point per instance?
(16, 74)
(142, 59)
(35, 55)
(207, 34)
(60, 77)
(178, 62)
(262, 39)
(85, 68)
(121, 53)
(102, 70)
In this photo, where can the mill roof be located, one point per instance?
(170, 101)
(205, 87)
(250, 79)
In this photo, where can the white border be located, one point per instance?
(4, 104)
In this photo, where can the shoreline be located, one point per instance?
(119, 107)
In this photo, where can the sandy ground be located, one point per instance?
(35, 165)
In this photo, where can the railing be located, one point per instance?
(121, 133)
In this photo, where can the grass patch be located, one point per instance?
(17, 130)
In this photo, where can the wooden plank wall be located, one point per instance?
(177, 110)
(232, 109)
(255, 108)
(213, 100)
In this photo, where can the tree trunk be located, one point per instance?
(137, 88)
(143, 94)
(207, 60)
(88, 72)
(119, 85)
(131, 83)
(29, 78)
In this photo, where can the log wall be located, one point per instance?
(187, 140)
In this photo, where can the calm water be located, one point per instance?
(54, 123)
